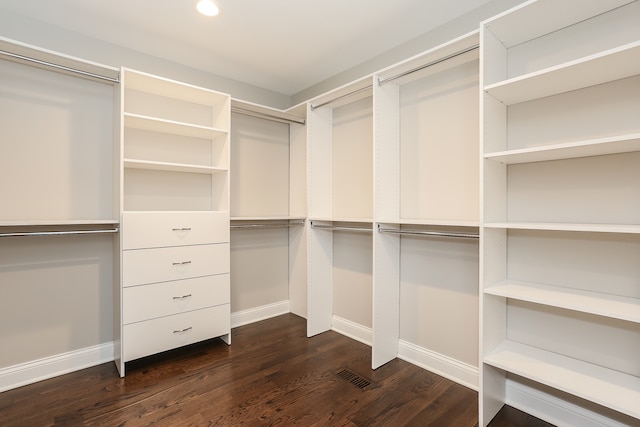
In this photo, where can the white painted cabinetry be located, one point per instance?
(175, 286)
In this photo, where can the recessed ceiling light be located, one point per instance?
(207, 8)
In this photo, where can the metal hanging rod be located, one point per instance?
(430, 64)
(267, 225)
(430, 233)
(341, 228)
(60, 67)
(362, 89)
(58, 233)
(267, 116)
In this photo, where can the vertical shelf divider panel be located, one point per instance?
(560, 218)
(320, 204)
(493, 243)
(386, 247)
(298, 208)
(174, 244)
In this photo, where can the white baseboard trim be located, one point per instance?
(554, 410)
(37, 370)
(442, 365)
(252, 315)
(352, 330)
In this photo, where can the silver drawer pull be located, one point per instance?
(183, 330)
(182, 229)
(183, 296)
(182, 263)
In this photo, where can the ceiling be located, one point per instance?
(281, 45)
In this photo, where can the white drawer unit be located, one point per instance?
(166, 333)
(142, 266)
(164, 299)
(160, 229)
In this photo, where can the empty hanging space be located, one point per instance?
(438, 146)
(267, 211)
(58, 180)
(427, 211)
(340, 195)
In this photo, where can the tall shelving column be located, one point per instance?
(560, 305)
(175, 219)
(426, 181)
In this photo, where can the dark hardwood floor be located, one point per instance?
(271, 375)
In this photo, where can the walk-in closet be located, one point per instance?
(466, 203)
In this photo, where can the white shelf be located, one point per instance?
(603, 67)
(595, 147)
(57, 222)
(589, 228)
(336, 219)
(137, 121)
(431, 222)
(613, 306)
(171, 167)
(267, 218)
(606, 387)
(431, 61)
(532, 19)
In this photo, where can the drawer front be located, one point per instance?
(142, 266)
(157, 335)
(160, 229)
(163, 299)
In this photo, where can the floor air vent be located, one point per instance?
(354, 379)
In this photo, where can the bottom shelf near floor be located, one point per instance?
(613, 389)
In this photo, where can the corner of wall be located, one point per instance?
(452, 29)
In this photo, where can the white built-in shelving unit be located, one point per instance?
(560, 306)
(175, 287)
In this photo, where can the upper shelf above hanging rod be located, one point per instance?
(276, 117)
(428, 233)
(341, 228)
(427, 65)
(343, 96)
(23, 53)
(58, 233)
(267, 225)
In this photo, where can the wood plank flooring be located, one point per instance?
(271, 375)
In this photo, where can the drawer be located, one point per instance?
(158, 229)
(142, 266)
(157, 335)
(163, 299)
